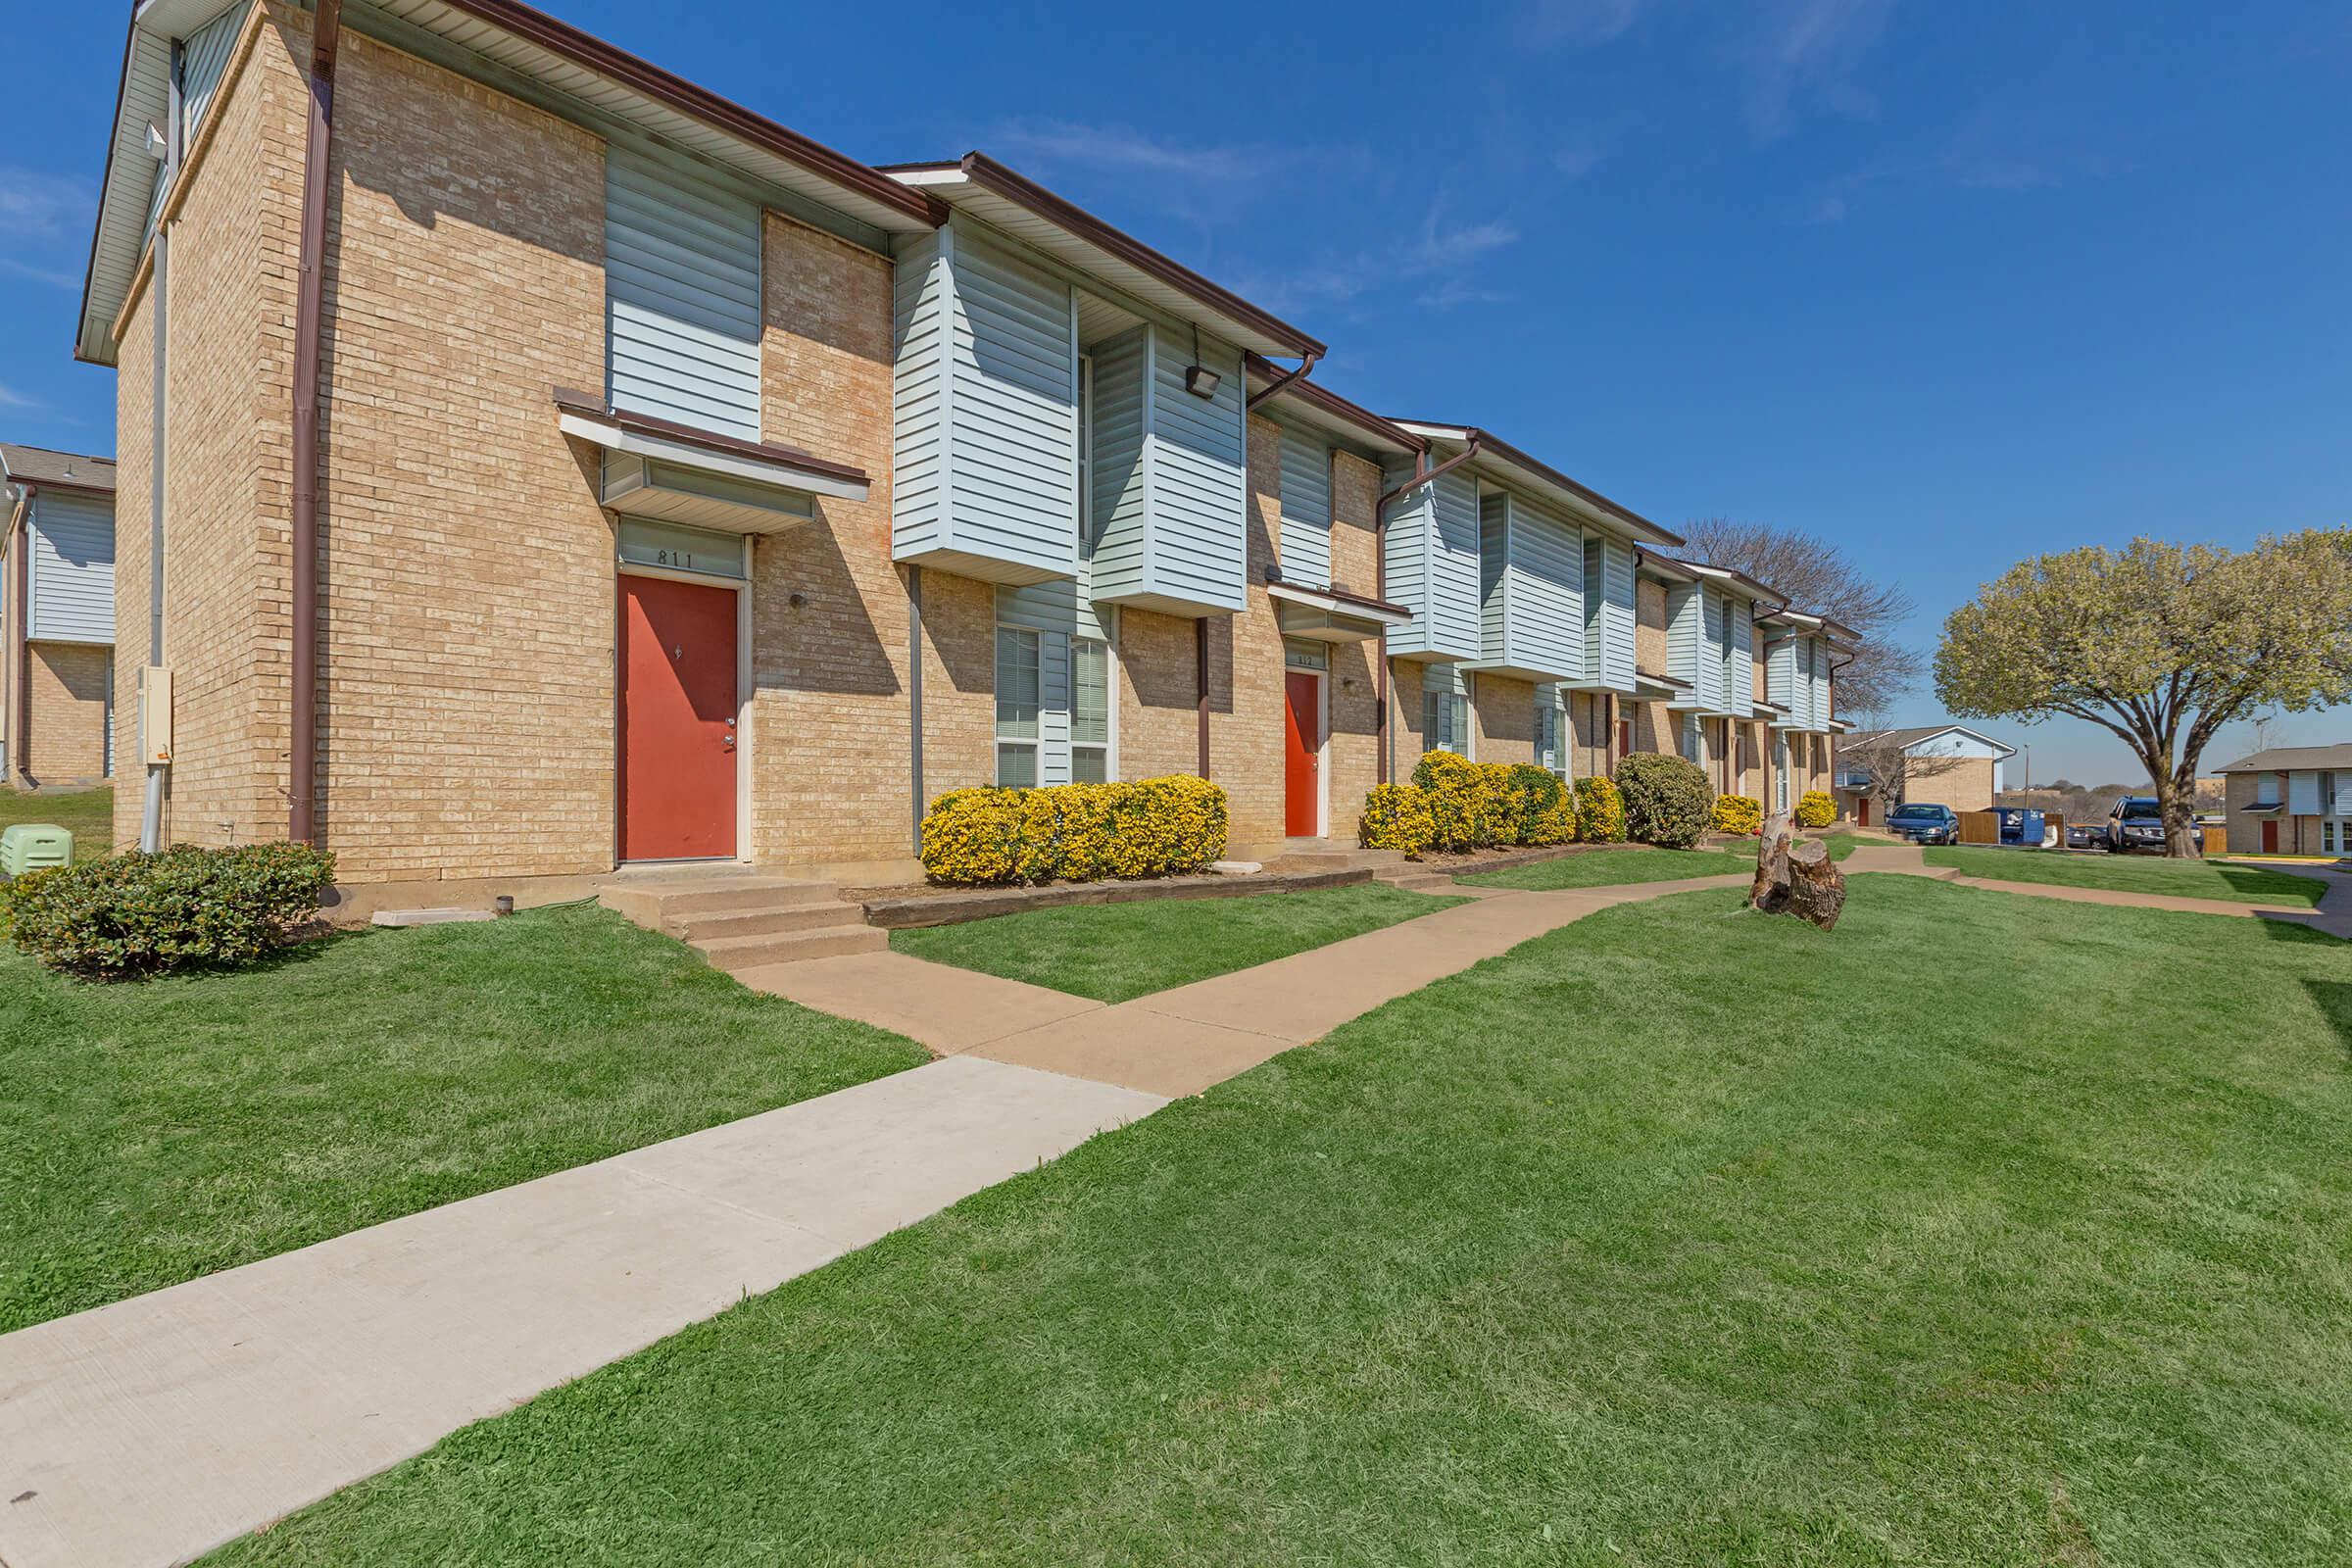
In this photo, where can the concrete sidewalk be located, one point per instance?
(2334, 914)
(150, 1431)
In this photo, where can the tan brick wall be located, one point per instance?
(1158, 720)
(1354, 754)
(1589, 723)
(64, 740)
(2239, 792)
(1653, 726)
(465, 578)
(831, 715)
(1965, 786)
(1650, 626)
(1407, 676)
(1502, 713)
(229, 428)
(960, 684)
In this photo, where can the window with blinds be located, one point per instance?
(1017, 703)
(1090, 711)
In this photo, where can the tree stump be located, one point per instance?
(1796, 878)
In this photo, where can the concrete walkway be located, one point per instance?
(1181, 1041)
(2334, 914)
(147, 1432)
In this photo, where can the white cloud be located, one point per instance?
(1069, 144)
(17, 400)
(1583, 24)
(50, 275)
(1801, 56)
(42, 205)
(1577, 156)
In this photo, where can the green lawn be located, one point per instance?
(87, 815)
(155, 1131)
(2135, 873)
(1598, 868)
(1114, 952)
(1682, 1236)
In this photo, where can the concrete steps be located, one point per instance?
(743, 920)
(1413, 879)
(1331, 854)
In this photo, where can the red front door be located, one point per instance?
(2270, 837)
(677, 720)
(1862, 811)
(1303, 734)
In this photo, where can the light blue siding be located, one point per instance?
(1531, 581)
(72, 590)
(2303, 793)
(985, 431)
(681, 295)
(1740, 660)
(1609, 612)
(1169, 477)
(1686, 642)
(1796, 677)
(204, 59)
(1049, 609)
(1434, 568)
(1306, 543)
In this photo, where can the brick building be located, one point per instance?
(2289, 800)
(644, 481)
(57, 616)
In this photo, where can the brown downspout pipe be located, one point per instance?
(19, 646)
(326, 31)
(1281, 382)
(1201, 672)
(1384, 740)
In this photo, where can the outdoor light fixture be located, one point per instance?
(1199, 380)
(158, 146)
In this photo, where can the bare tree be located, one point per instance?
(1891, 768)
(1820, 581)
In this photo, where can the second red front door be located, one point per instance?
(1302, 755)
(677, 720)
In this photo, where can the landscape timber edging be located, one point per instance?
(953, 908)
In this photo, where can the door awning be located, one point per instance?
(655, 467)
(1333, 615)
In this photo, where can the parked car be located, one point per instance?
(2086, 836)
(1925, 825)
(2135, 823)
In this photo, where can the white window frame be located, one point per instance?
(1454, 709)
(1035, 743)
(1109, 746)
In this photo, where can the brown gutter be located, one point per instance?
(593, 53)
(1330, 403)
(982, 169)
(1423, 473)
(1282, 381)
(302, 751)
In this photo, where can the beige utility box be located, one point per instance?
(154, 715)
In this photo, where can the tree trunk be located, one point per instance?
(1770, 889)
(2178, 807)
(1816, 887)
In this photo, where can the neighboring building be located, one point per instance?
(57, 613)
(2289, 801)
(1948, 764)
(687, 490)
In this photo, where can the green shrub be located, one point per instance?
(1816, 809)
(1667, 799)
(1397, 817)
(1600, 811)
(1467, 806)
(1541, 810)
(1739, 813)
(1075, 832)
(185, 906)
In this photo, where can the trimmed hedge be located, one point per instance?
(1600, 811)
(1397, 817)
(1739, 813)
(1075, 832)
(1816, 809)
(1668, 801)
(1454, 805)
(181, 907)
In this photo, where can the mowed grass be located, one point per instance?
(1597, 868)
(2135, 873)
(87, 815)
(1114, 952)
(160, 1130)
(1682, 1236)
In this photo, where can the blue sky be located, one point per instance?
(1947, 285)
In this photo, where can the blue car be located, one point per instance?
(1925, 825)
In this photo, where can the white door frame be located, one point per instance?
(744, 690)
(1322, 679)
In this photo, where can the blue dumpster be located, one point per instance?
(2030, 833)
(2013, 824)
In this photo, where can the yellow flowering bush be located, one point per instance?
(1816, 809)
(1542, 810)
(1739, 813)
(1074, 832)
(1467, 802)
(1397, 817)
(1600, 811)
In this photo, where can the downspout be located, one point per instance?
(1201, 673)
(326, 31)
(19, 646)
(1282, 383)
(1384, 748)
(914, 695)
(159, 290)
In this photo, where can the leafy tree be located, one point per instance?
(1820, 581)
(2160, 645)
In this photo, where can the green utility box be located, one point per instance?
(34, 847)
